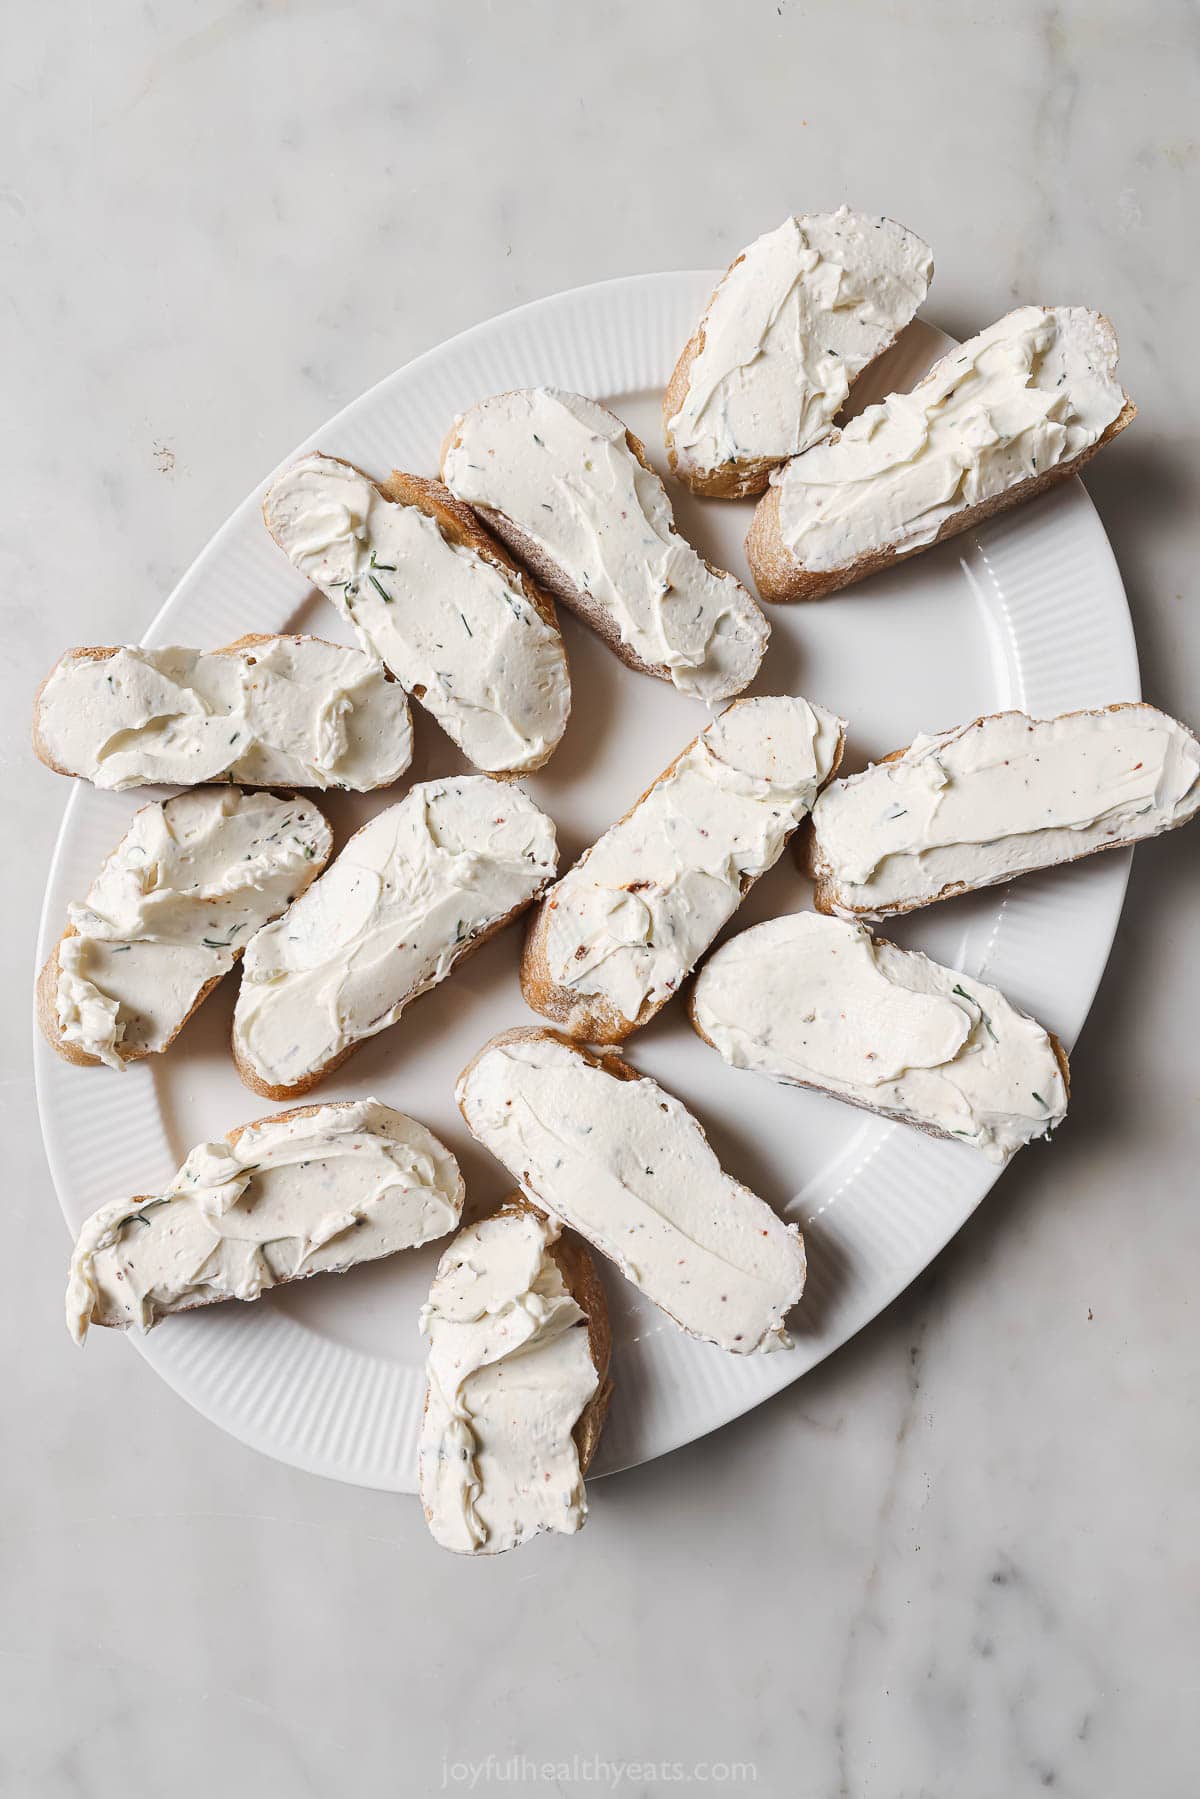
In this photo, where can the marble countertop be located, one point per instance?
(958, 1559)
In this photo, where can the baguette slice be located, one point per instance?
(518, 1387)
(624, 1163)
(312, 1191)
(613, 940)
(818, 1002)
(169, 914)
(1001, 796)
(1003, 418)
(437, 599)
(417, 889)
(573, 494)
(266, 711)
(794, 321)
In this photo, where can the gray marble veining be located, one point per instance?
(958, 1560)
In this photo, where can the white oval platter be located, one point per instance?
(1028, 612)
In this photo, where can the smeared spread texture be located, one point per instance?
(310, 1192)
(819, 1002)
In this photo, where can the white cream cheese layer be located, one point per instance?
(288, 712)
(791, 326)
(1034, 390)
(628, 1167)
(631, 918)
(558, 467)
(388, 921)
(292, 1196)
(456, 629)
(999, 797)
(510, 1373)
(820, 1002)
(186, 888)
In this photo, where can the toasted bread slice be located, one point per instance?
(613, 939)
(1131, 773)
(818, 1002)
(164, 716)
(437, 599)
(646, 584)
(420, 887)
(853, 505)
(792, 324)
(137, 1006)
(495, 1310)
(612, 1154)
(327, 1187)
(46, 1000)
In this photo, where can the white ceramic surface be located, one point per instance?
(1029, 612)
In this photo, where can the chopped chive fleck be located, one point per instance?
(984, 1019)
(1041, 1102)
(389, 568)
(384, 595)
(466, 626)
(139, 1217)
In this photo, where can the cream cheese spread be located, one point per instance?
(791, 326)
(286, 712)
(510, 1373)
(558, 468)
(1032, 391)
(398, 907)
(173, 907)
(997, 798)
(821, 1003)
(455, 628)
(628, 1167)
(630, 920)
(295, 1195)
